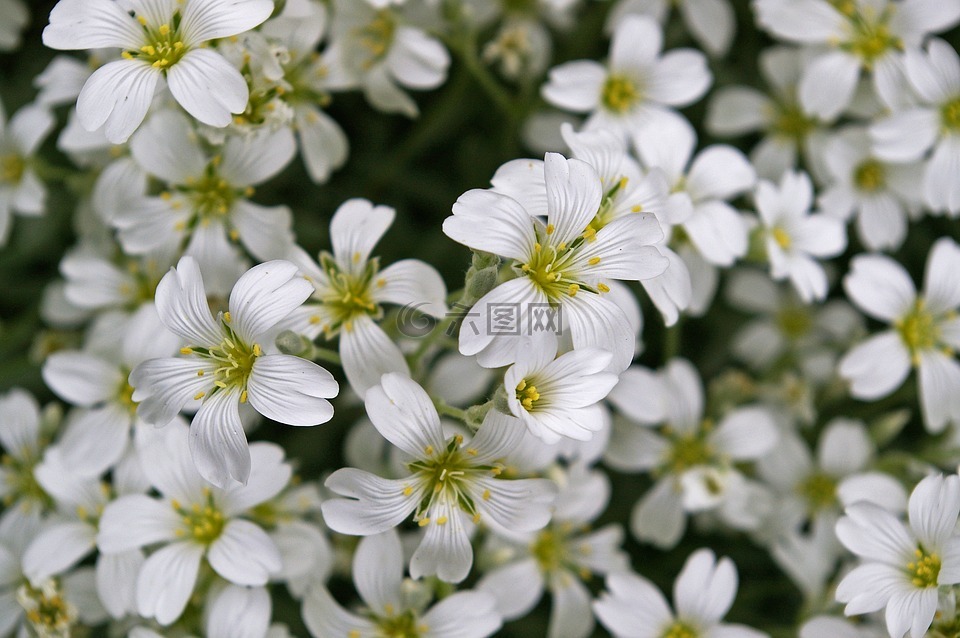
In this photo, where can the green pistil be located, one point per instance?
(202, 522)
(446, 473)
(689, 450)
(794, 321)
(350, 295)
(790, 122)
(377, 36)
(950, 115)
(619, 94)
(12, 168)
(819, 490)
(680, 630)
(870, 176)
(919, 330)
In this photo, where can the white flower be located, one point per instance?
(21, 190)
(906, 136)
(789, 129)
(206, 198)
(552, 394)
(878, 193)
(638, 85)
(691, 457)
(225, 365)
(712, 23)
(15, 18)
(160, 40)
(381, 52)
(925, 332)
(860, 35)
(394, 606)
(23, 443)
(96, 380)
(95, 282)
(453, 484)
(565, 262)
(191, 522)
(351, 288)
(833, 627)
(702, 595)
(793, 237)
(903, 565)
(558, 558)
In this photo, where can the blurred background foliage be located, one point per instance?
(420, 167)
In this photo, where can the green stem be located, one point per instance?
(326, 355)
(448, 410)
(671, 340)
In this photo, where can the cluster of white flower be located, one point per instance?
(504, 418)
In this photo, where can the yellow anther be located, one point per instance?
(186, 350)
(142, 20)
(472, 451)
(243, 396)
(198, 396)
(226, 317)
(407, 491)
(603, 287)
(423, 522)
(636, 209)
(593, 261)
(442, 520)
(476, 518)
(550, 229)
(428, 450)
(782, 238)
(486, 495)
(573, 289)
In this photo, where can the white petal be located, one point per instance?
(521, 505)
(466, 614)
(875, 534)
(939, 376)
(905, 136)
(875, 487)
(134, 521)
(324, 617)
(844, 447)
(517, 587)
(941, 287)
(94, 441)
(736, 110)
(117, 581)
(378, 572)
(214, 19)
(491, 222)
(239, 612)
(658, 517)
(575, 86)
(445, 549)
(91, 24)
(80, 378)
(291, 390)
(745, 433)
(940, 189)
(934, 507)
(636, 43)
(416, 60)
(712, 22)
(117, 97)
(21, 429)
(828, 84)
(935, 74)
(802, 21)
(218, 444)
(56, 549)
(876, 367)
(249, 160)
(168, 148)
(165, 386)
(633, 606)
(880, 286)
(265, 232)
(244, 554)
(638, 395)
(570, 615)
(269, 475)
(182, 304)
(680, 78)
(718, 231)
(368, 353)
(323, 143)
(264, 295)
(208, 87)
(595, 321)
(705, 587)
(375, 504)
(868, 587)
(166, 581)
(412, 283)
(404, 415)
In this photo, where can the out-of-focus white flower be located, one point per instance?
(925, 331)
(453, 484)
(21, 190)
(793, 237)
(161, 40)
(702, 594)
(906, 136)
(15, 18)
(226, 365)
(711, 22)
(859, 35)
(637, 87)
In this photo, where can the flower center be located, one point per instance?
(234, 360)
(918, 329)
(871, 39)
(549, 266)
(163, 45)
(792, 123)
(527, 395)
(48, 613)
(950, 115)
(846, 7)
(377, 36)
(870, 176)
(21, 482)
(406, 625)
(202, 522)
(819, 490)
(446, 474)
(680, 630)
(349, 295)
(925, 570)
(794, 321)
(782, 238)
(212, 196)
(12, 168)
(125, 394)
(689, 450)
(619, 93)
